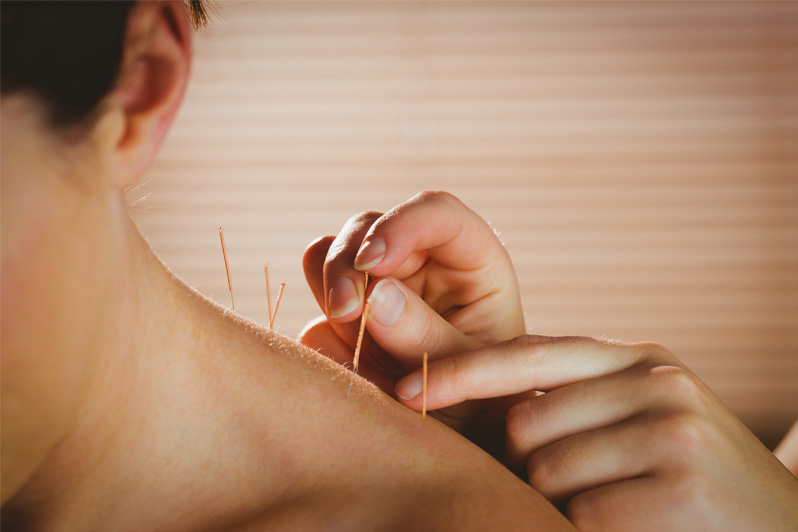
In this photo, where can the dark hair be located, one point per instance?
(67, 54)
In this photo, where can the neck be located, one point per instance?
(178, 388)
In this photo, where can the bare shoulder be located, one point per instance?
(365, 462)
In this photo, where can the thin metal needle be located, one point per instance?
(227, 269)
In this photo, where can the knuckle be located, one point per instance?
(531, 352)
(451, 379)
(519, 423)
(364, 217)
(457, 373)
(678, 382)
(322, 242)
(655, 351)
(584, 513)
(530, 345)
(441, 199)
(427, 337)
(316, 252)
(525, 418)
(690, 490)
(436, 196)
(686, 432)
(337, 248)
(683, 488)
(350, 237)
(539, 469)
(522, 426)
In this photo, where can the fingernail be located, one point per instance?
(343, 298)
(370, 254)
(387, 302)
(409, 387)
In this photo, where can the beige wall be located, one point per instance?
(640, 160)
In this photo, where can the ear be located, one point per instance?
(153, 78)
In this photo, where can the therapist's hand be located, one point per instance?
(626, 436)
(441, 282)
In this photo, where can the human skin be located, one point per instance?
(430, 245)
(627, 437)
(787, 451)
(131, 402)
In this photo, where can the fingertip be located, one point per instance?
(404, 325)
(409, 387)
(370, 254)
(387, 302)
(321, 337)
(344, 299)
(313, 266)
(342, 313)
(312, 331)
(313, 259)
(317, 250)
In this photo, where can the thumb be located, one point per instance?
(406, 327)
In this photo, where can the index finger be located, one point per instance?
(525, 363)
(436, 222)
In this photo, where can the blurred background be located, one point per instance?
(639, 159)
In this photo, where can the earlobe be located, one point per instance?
(152, 81)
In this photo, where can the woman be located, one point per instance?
(131, 402)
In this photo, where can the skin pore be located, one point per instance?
(131, 402)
